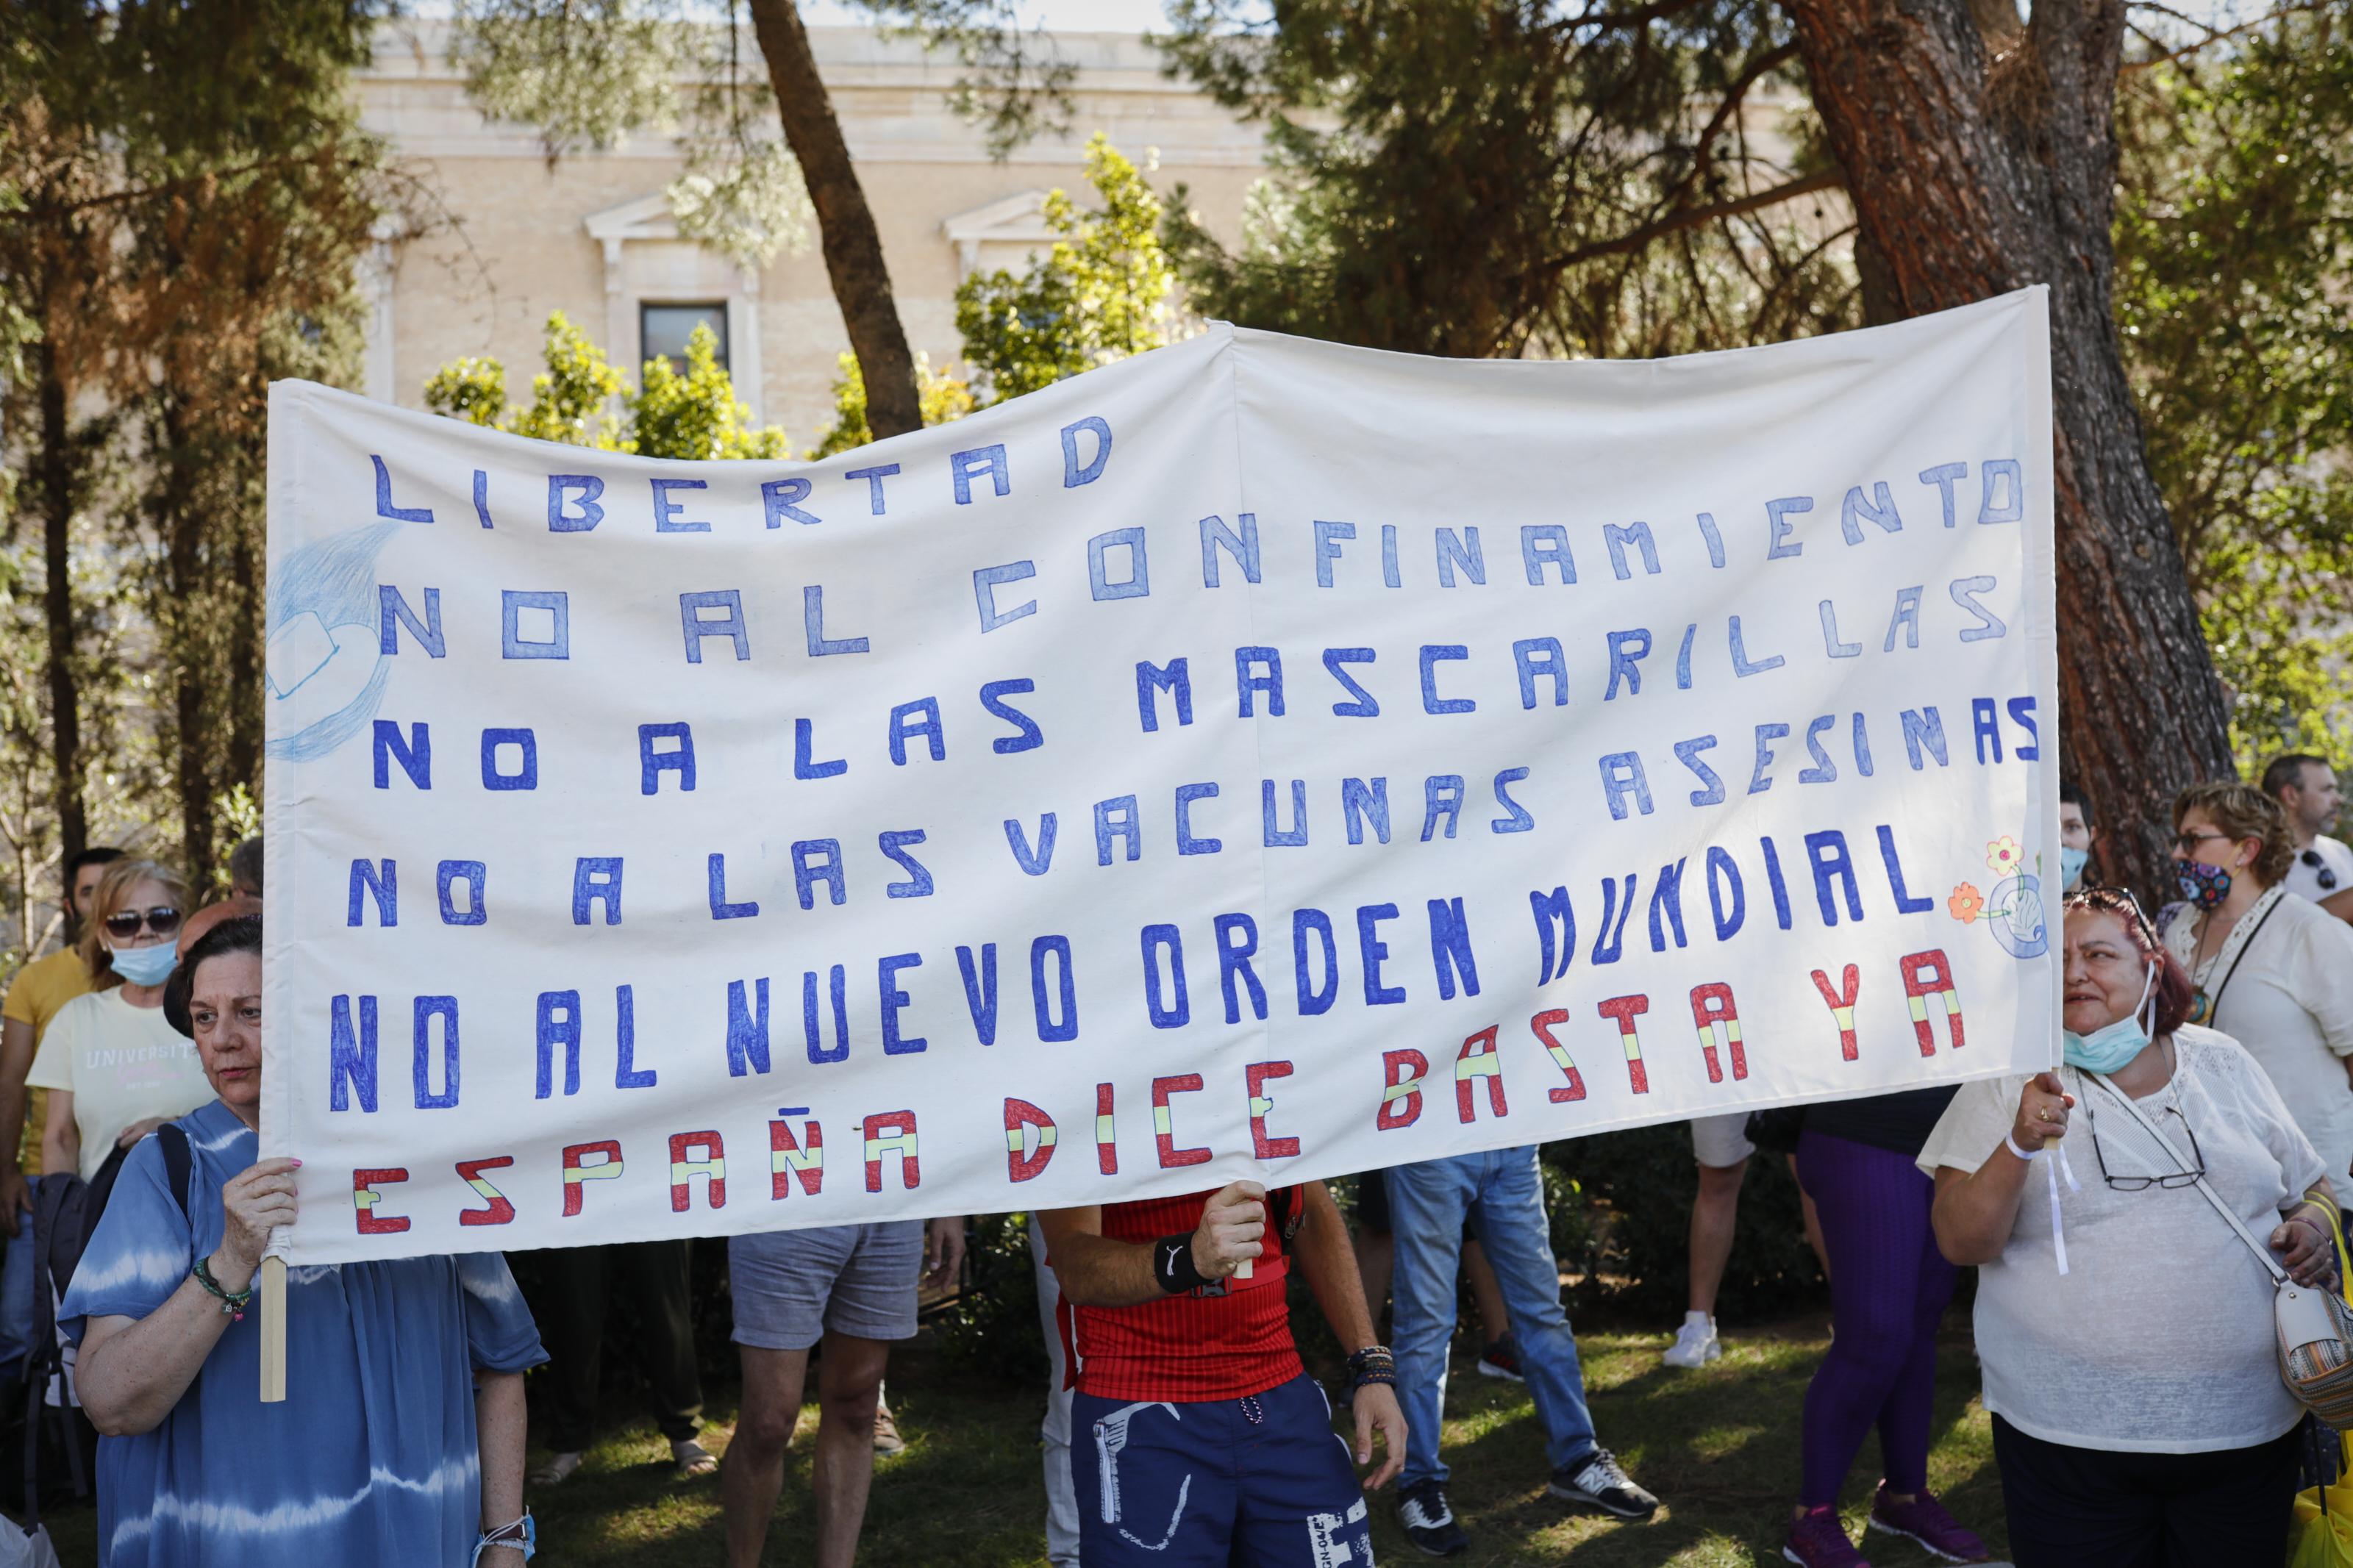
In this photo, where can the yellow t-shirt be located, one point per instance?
(122, 1064)
(42, 987)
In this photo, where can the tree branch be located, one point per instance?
(1691, 217)
(2213, 35)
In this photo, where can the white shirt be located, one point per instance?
(122, 1064)
(2159, 1339)
(2304, 879)
(2289, 1000)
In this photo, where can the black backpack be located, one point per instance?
(66, 1212)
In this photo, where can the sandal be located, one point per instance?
(692, 1459)
(556, 1470)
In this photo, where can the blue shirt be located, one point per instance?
(370, 1461)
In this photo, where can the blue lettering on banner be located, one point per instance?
(838, 986)
(2005, 476)
(985, 583)
(483, 495)
(1778, 528)
(813, 613)
(1033, 862)
(666, 510)
(351, 1057)
(1116, 819)
(886, 973)
(1374, 951)
(1237, 937)
(1637, 534)
(695, 626)
(627, 1074)
(1462, 551)
(414, 754)
(873, 478)
(565, 489)
(894, 844)
(1364, 706)
(393, 612)
(1328, 538)
(909, 720)
(1187, 844)
(721, 909)
(1360, 803)
(1295, 835)
(965, 467)
(379, 883)
(1055, 1026)
(652, 762)
(1944, 475)
(980, 990)
(1138, 583)
(526, 773)
(559, 1024)
(1031, 737)
(780, 498)
(1176, 1011)
(747, 1029)
(383, 507)
(818, 860)
(1176, 680)
(1833, 868)
(477, 877)
(1314, 996)
(1075, 473)
(596, 879)
(1431, 702)
(1242, 546)
(805, 762)
(555, 605)
(427, 1009)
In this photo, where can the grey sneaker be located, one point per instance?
(1597, 1480)
(1429, 1522)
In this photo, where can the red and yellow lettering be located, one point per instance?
(1255, 1076)
(1625, 1010)
(500, 1211)
(1403, 1071)
(1475, 1060)
(788, 1159)
(1927, 975)
(1019, 1116)
(1106, 1135)
(364, 1197)
(682, 1170)
(1842, 1005)
(1163, 1124)
(893, 1132)
(1542, 1026)
(1713, 1013)
(579, 1168)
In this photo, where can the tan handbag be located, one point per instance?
(2313, 1329)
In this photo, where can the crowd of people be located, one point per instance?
(2208, 1076)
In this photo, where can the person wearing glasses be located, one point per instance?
(114, 1067)
(2306, 787)
(2271, 971)
(2125, 1330)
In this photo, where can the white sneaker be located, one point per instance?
(1695, 1345)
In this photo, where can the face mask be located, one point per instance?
(2106, 1050)
(2071, 865)
(147, 965)
(2203, 884)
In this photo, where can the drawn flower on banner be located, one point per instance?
(2003, 856)
(1965, 904)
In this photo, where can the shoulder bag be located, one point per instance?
(2313, 1329)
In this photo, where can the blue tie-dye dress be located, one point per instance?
(370, 1461)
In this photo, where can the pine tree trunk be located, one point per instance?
(1974, 172)
(853, 245)
(57, 466)
(180, 518)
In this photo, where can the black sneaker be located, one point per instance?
(1427, 1520)
(1598, 1481)
(1501, 1359)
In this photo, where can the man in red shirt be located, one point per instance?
(1199, 1439)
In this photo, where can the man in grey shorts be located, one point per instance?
(853, 1287)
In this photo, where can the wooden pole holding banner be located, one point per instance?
(273, 1329)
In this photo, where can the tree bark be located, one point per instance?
(58, 464)
(181, 519)
(853, 245)
(1974, 172)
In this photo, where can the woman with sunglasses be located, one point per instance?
(2271, 971)
(114, 1067)
(2123, 1329)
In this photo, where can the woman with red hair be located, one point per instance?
(2125, 1329)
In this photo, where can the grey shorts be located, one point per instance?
(1721, 1142)
(792, 1288)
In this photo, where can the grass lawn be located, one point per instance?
(1720, 1447)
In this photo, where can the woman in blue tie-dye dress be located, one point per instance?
(400, 1441)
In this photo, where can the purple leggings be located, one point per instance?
(1889, 1289)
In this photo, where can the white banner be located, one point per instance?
(1257, 758)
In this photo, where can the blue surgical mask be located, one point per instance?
(2105, 1050)
(147, 965)
(2071, 867)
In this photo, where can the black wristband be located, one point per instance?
(1172, 1264)
(1372, 1365)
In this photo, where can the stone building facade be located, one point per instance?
(591, 234)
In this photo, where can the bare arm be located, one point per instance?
(2339, 903)
(16, 1061)
(60, 1137)
(1975, 1211)
(1321, 1251)
(498, 1426)
(1096, 1271)
(133, 1371)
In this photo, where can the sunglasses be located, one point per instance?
(124, 924)
(2327, 878)
(2187, 843)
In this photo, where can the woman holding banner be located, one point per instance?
(2125, 1330)
(401, 1438)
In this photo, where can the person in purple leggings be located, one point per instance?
(1889, 1289)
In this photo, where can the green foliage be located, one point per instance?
(942, 396)
(586, 73)
(991, 1329)
(1499, 177)
(1101, 294)
(2235, 241)
(695, 414)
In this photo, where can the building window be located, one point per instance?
(663, 330)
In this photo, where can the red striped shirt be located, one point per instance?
(1186, 1347)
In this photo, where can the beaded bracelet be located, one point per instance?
(232, 1302)
(1373, 1363)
